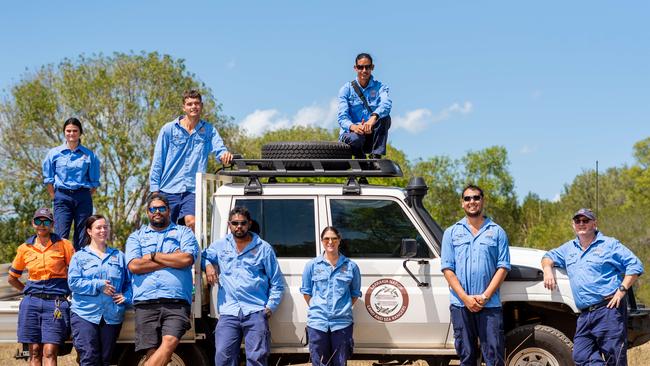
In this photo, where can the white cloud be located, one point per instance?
(526, 149)
(261, 121)
(315, 115)
(556, 198)
(417, 120)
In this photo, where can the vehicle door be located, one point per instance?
(393, 310)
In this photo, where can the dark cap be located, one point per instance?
(44, 212)
(586, 213)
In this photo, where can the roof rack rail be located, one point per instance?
(312, 168)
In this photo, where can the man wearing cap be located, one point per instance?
(44, 312)
(600, 271)
(160, 256)
(475, 261)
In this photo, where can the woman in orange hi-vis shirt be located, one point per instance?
(44, 313)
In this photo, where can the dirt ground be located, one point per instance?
(639, 356)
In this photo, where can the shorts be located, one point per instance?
(155, 320)
(180, 205)
(38, 324)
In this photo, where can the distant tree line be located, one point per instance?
(124, 99)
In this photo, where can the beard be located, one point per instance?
(240, 234)
(474, 214)
(160, 223)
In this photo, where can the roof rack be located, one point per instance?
(313, 168)
(342, 168)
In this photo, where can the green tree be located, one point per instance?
(122, 101)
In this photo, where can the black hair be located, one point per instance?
(157, 196)
(362, 56)
(332, 229)
(89, 225)
(474, 188)
(73, 121)
(240, 210)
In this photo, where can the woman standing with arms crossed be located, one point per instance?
(331, 284)
(100, 285)
(44, 313)
(71, 174)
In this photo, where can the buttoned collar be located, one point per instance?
(342, 260)
(599, 238)
(148, 228)
(108, 253)
(198, 126)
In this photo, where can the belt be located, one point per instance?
(160, 301)
(596, 306)
(49, 296)
(82, 189)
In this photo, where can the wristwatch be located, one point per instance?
(622, 288)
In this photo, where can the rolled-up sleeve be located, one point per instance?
(48, 169)
(307, 285)
(503, 260)
(133, 250)
(189, 244)
(447, 260)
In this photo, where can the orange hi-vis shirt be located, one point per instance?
(47, 265)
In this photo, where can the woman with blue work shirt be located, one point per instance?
(44, 312)
(100, 285)
(71, 174)
(331, 284)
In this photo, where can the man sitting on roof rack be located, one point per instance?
(364, 111)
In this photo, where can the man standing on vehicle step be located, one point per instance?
(250, 289)
(160, 256)
(181, 151)
(600, 271)
(475, 261)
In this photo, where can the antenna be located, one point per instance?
(596, 188)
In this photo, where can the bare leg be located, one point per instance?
(161, 356)
(35, 354)
(50, 351)
(189, 221)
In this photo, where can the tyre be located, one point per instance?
(308, 150)
(538, 345)
(185, 355)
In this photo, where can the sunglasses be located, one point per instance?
(581, 221)
(334, 239)
(363, 67)
(161, 209)
(238, 223)
(470, 198)
(45, 222)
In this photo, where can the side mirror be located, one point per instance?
(409, 248)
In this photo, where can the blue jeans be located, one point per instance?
(603, 331)
(486, 326)
(94, 342)
(332, 348)
(72, 206)
(254, 328)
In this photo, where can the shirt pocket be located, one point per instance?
(320, 285)
(115, 274)
(170, 245)
(57, 265)
(225, 264)
(343, 282)
(90, 270)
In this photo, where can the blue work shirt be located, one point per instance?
(596, 272)
(165, 283)
(351, 109)
(87, 276)
(71, 169)
(248, 281)
(475, 259)
(179, 155)
(331, 290)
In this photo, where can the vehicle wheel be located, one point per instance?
(185, 355)
(307, 150)
(538, 345)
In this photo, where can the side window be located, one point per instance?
(287, 224)
(374, 228)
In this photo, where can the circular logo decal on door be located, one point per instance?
(386, 300)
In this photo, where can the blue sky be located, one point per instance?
(559, 84)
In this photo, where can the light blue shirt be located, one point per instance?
(71, 169)
(596, 272)
(351, 109)
(332, 290)
(179, 155)
(248, 281)
(475, 259)
(165, 283)
(87, 276)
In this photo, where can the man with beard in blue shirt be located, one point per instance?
(250, 289)
(600, 271)
(475, 261)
